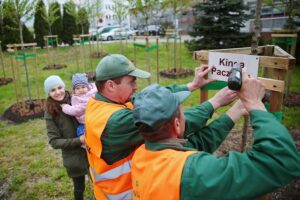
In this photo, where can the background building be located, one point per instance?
(108, 16)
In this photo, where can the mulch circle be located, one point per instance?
(290, 191)
(98, 54)
(293, 99)
(5, 81)
(23, 111)
(54, 66)
(177, 73)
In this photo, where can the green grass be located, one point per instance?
(29, 167)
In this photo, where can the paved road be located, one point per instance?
(184, 38)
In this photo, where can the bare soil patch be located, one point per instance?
(54, 66)
(23, 111)
(177, 73)
(293, 99)
(5, 81)
(233, 142)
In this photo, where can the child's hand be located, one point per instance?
(62, 105)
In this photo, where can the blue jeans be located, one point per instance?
(80, 130)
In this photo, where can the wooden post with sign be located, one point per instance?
(277, 61)
(290, 40)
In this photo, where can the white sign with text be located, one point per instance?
(223, 62)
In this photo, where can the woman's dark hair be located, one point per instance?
(53, 107)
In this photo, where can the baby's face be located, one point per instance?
(81, 89)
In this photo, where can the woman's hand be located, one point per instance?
(81, 138)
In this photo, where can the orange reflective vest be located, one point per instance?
(157, 174)
(110, 181)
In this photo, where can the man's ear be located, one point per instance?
(176, 126)
(110, 85)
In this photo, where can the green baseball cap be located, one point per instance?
(155, 105)
(116, 65)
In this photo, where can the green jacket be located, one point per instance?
(272, 161)
(61, 132)
(121, 136)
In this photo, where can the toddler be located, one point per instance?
(82, 92)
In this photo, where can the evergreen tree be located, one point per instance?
(57, 27)
(40, 24)
(10, 29)
(218, 25)
(83, 21)
(20, 11)
(28, 36)
(1, 22)
(69, 23)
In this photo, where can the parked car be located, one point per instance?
(152, 30)
(101, 30)
(117, 33)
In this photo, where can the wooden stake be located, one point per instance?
(134, 52)
(14, 77)
(2, 60)
(157, 61)
(148, 60)
(36, 76)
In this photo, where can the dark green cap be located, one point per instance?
(116, 65)
(155, 105)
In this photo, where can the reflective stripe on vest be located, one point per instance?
(113, 173)
(127, 195)
(157, 174)
(110, 181)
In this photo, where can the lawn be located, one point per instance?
(29, 167)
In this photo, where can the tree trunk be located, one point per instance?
(175, 43)
(21, 33)
(257, 27)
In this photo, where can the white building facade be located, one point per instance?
(109, 17)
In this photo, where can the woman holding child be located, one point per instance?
(61, 131)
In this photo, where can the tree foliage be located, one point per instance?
(40, 24)
(83, 21)
(19, 11)
(1, 22)
(56, 27)
(177, 5)
(10, 28)
(50, 17)
(28, 36)
(218, 25)
(95, 10)
(80, 15)
(120, 10)
(144, 8)
(69, 23)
